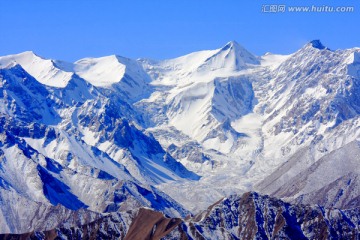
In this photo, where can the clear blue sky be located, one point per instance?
(159, 29)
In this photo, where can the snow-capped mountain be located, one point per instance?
(73, 146)
(244, 122)
(113, 134)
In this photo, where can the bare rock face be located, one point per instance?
(151, 225)
(250, 216)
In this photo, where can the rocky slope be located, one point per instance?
(250, 216)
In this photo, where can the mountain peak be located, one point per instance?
(44, 70)
(231, 44)
(317, 44)
(18, 58)
(233, 56)
(28, 53)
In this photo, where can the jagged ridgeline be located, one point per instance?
(113, 147)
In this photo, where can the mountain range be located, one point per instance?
(139, 149)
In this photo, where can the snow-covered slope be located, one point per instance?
(310, 95)
(20, 215)
(206, 89)
(305, 181)
(124, 75)
(45, 71)
(312, 101)
(79, 110)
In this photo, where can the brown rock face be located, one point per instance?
(149, 225)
